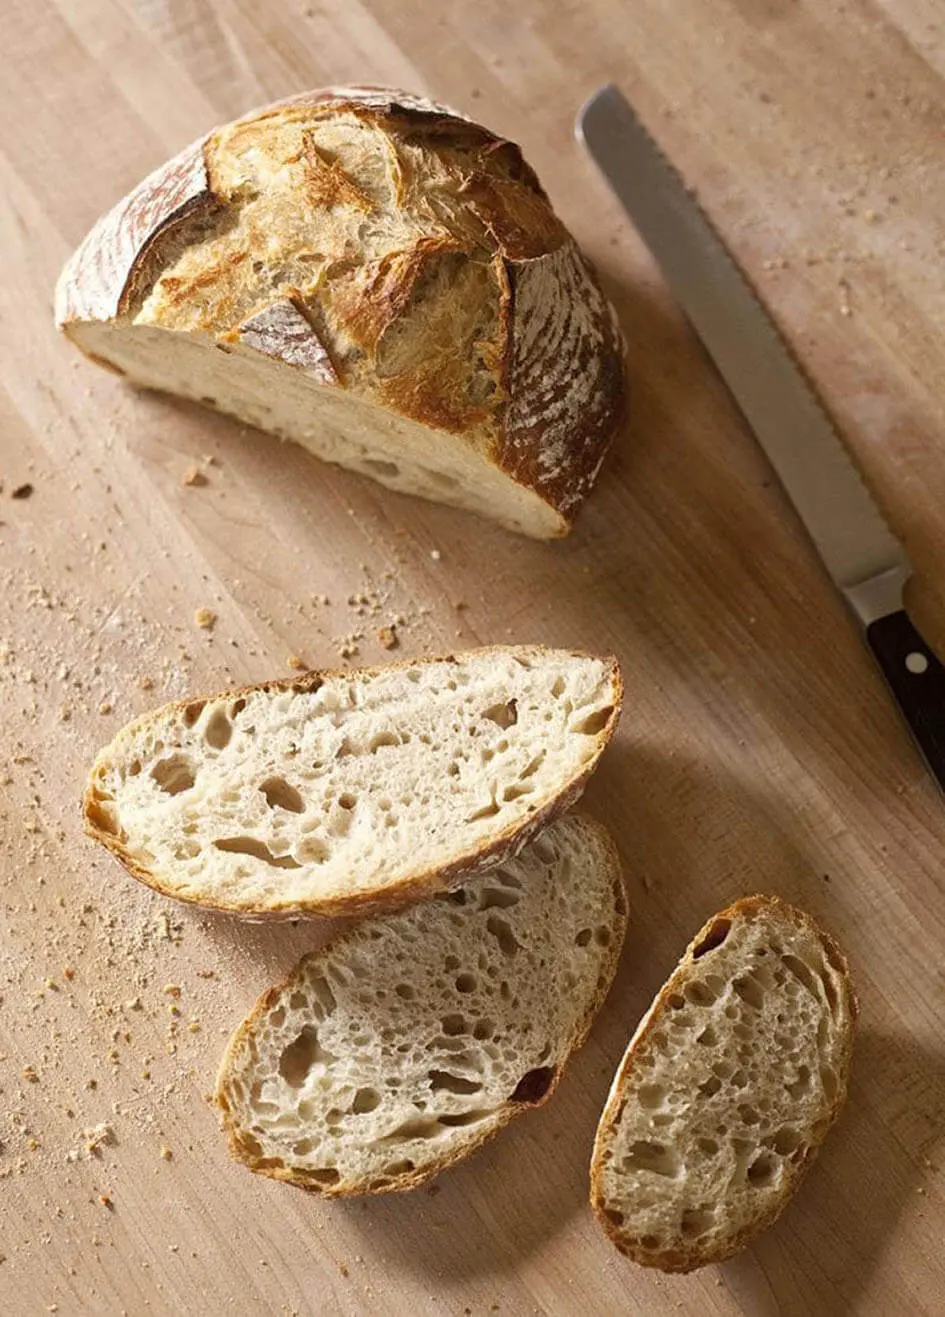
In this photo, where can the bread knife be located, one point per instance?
(865, 560)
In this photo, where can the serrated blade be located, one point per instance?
(857, 547)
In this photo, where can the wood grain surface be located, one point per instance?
(758, 749)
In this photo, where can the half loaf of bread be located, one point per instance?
(378, 279)
(339, 791)
(727, 1089)
(402, 1046)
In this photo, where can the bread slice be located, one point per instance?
(378, 279)
(339, 791)
(404, 1045)
(727, 1089)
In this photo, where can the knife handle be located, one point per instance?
(917, 679)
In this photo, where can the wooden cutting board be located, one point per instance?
(758, 749)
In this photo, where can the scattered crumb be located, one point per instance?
(194, 477)
(171, 990)
(293, 661)
(68, 972)
(105, 707)
(22, 491)
(206, 618)
(435, 555)
(166, 1154)
(30, 1074)
(146, 683)
(344, 1270)
(65, 713)
(387, 635)
(106, 1201)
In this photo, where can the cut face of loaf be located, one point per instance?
(727, 1089)
(401, 1047)
(378, 279)
(342, 790)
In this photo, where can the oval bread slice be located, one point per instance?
(727, 1088)
(402, 1046)
(339, 791)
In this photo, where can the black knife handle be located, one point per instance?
(917, 679)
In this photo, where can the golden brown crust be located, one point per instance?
(426, 883)
(243, 1153)
(515, 351)
(678, 1260)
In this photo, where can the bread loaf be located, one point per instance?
(727, 1088)
(378, 279)
(338, 791)
(405, 1044)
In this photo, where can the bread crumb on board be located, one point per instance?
(387, 635)
(194, 477)
(205, 618)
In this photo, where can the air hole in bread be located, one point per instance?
(281, 794)
(277, 1017)
(365, 1100)
(696, 1221)
(405, 991)
(739, 1079)
(320, 1175)
(747, 1114)
(762, 1170)
(702, 992)
(500, 898)
(715, 935)
(708, 1037)
(583, 937)
(459, 1118)
(649, 1242)
(466, 983)
(257, 849)
(515, 791)
(801, 1084)
(830, 991)
(324, 1003)
(708, 1146)
(784, 1141)
(710, 1086)
(802, 972)
(382, 739)
(602, 935)
(484, 812)
(311, 850)
(174, 774)
(651, 1096)
(193, 711)
(594, 722)
(218, 729)
(453, 1025)
(534, 1085)
(503, 715)
(750, 991)
(301, 1055)
(658, 1158)
(453, 769)
(444, 1081)
(379, 467)
(483, 1029)
(501, 930)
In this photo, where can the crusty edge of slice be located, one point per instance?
(677, 1260)
(506, 843)
(413, 1179)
